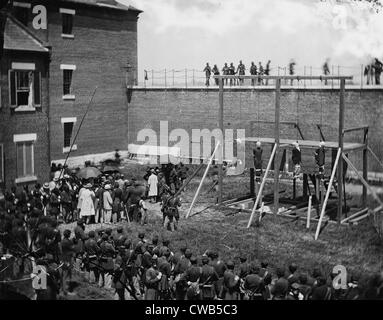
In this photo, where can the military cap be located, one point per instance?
(205, 259)
(193, 260)
(188, 253)
(141, 235)
(230, 264)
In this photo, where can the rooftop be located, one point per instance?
(16, 37)
(106, 3)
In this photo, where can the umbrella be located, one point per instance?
(88, 172)
(110, 169)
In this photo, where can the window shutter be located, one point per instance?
(12, 89)
(37, 88)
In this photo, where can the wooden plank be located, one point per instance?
(309, 213)
(327, 194)
(364, 182)
(221, 127)
(341, 139)
(202, 180)
(277, 143)
(261, 188)
(357, 220)
(354, 215)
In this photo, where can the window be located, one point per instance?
(68, 82)
(25, 87)
(67, 22)
(68, 125)
(1, 163)
(25, 166)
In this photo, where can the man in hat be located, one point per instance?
(108, 204)
(215, 71)
(86, 200)
(92, 252)
(207, 71)
(281, 286)
(232, 73)
(225, 71)
(67, 255)
(257, 157)
(119, 238)
(231, 283)
(107, 264)
(207, 279)
(241, 71)
(253, 72)
(220, 268)
(267, 71)
(152, 278)
(252, 287)
(192, 277)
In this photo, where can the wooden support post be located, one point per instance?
(277, 142)
(365, 167)
(259, 195)
(359, 213)
(252, 182)
(221, 127)
(323, 211)
(309, 213)
(305, 185)
(202, 180)
(341, 136)
(294, 188)
(364, 182)
(375, 156)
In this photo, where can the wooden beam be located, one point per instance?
(202, 180)
(356, 220)
(261, 188)
(355, 129)
(221, 127)
(375, 156)
(327, 194)
(341, 139)
(354, 215)
(309, 213)
(364, 182)
(277, 143)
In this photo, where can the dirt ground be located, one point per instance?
(277, 240)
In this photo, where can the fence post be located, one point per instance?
(311, 74)
(186, 78)
(361, 77)
(278, 70)
(152, 78)
(193, 78)
(332, 73)
(165, 78)
(304, 73)
(173, 77)
(339, 73)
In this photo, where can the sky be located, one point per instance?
(179, 34)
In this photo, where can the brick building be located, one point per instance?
(24, 109)
(83, 44)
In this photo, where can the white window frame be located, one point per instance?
(23, 66)
(69, 120)
(22, 4)
(20, 138)
(68, 67)
(67, 11)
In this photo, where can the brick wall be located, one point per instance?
(12, 122)
(198, 108)
(104, 41)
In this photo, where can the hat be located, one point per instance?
(295, 286)
(108, 187)
(258, 144)
(88, 186)
(230, 264)
(46, 185)
(193, 260)
(141, 235)
(205, 259)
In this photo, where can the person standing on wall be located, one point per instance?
(253, 72)
(207, 71)
(326, 70)
(267, 71)
(216, 73)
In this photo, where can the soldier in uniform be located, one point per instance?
(215, 71)
(152, 278)
(225, 71)
(326, 70)
(231, 283)
(241, 71)
(181, 267)
(208, 277)
(232, 73)
(119, 238)
(107, 254)
(192, 277)
(253, 72)
(164, 267)
(207, 71)
(67, 255)
(267, 71)
(260, 72)
(220, 268)
(292, 65)
(92, 252)
(378, 68)
(257, 156)
(253, 284)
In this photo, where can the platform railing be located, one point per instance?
(187, 78)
